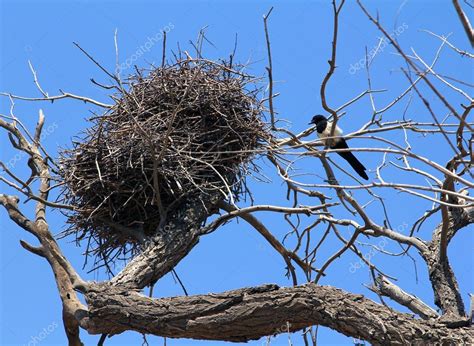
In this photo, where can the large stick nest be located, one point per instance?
(180, 130)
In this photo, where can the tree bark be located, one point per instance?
(385, 287)
(171, 244)
(443, 280)
(250, 313)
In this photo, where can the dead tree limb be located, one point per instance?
(250, 313)
(385, 287)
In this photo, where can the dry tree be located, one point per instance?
(174, 149)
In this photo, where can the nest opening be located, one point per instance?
(189, 128)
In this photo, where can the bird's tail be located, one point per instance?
(358, 167)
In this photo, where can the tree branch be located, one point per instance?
(443, 280)
(176, 239)
(465, 22)
(243, 315)
(385, 287)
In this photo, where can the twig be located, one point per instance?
(269, 69)
(58, 97)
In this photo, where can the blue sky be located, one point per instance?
(234, 256)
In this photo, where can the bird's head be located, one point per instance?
(317, 119)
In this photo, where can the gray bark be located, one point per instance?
(250, 313)
(172, 243)
(442, 278)
(385, 287)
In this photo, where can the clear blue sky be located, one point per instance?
(236, 255)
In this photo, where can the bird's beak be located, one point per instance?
(310, 123)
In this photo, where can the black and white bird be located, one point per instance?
(323, 128)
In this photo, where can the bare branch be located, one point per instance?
(385, 287)
(412, 64)
(269, 70)
(242, 315)
(252, 220)
(58, 97)
(465, 22)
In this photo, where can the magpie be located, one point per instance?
(324, 128)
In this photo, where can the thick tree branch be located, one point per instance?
(443, 280)
(65, 275)
(243, 315)
(171, 244)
